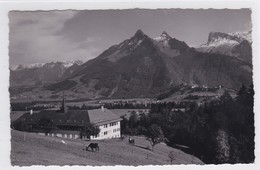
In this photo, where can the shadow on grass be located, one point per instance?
(84, 149)
(142, 147)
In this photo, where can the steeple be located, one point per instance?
(63, 104)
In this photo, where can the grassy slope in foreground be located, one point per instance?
(32, 149)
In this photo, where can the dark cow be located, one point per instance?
(122, 137)
(131, 141)
(93, 146)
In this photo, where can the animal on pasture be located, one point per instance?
(93, 146)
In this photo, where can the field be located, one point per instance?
(32, 149)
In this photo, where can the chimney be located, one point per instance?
(102, 108)
(31, 112)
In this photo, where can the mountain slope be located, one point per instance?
(214, 69)
(134, 67)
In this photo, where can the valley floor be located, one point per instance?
(31, 149)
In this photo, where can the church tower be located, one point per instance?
(63, 105)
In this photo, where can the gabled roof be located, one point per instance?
(72, 117)
(101, 116)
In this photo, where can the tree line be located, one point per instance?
(218, 131)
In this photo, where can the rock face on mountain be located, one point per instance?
(143, 67)
(233, 44)
(35, 74)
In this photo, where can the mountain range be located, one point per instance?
(143, 67)
(41, 73)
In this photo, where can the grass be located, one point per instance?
(32, 149)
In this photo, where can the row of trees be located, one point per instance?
(219, 131)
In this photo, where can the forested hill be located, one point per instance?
(219, 131)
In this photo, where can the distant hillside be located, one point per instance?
(41, 73)
(31, 149)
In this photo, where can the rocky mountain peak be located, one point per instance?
(237, 37)
(140, 34)
(165, 35)
(236, 44)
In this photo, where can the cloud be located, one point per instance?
(34, 38)
(64, 35)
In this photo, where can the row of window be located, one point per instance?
(115, 136)
(116, 130)
(63, 135)
(111, 124)
(96, 136)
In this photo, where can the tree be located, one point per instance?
(133, 119)
(225, 98)
(89, 130)
(84, 107)
(154, 135)
(171, 156)
(242, 90)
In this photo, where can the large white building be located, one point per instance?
(108, 123)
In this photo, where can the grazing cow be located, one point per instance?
(122, 137)
(131, 141)
(93, 146)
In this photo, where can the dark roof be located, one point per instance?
(72, 117)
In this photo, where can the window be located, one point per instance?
(105, 126)
(114, 130)
(113, 124)
(105, 133)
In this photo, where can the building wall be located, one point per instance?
(108, 131)
(65, 134)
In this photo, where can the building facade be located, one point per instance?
(108, 131)
(108, 123)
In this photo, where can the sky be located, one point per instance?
(50, 36)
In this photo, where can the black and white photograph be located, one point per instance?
(131, 87)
